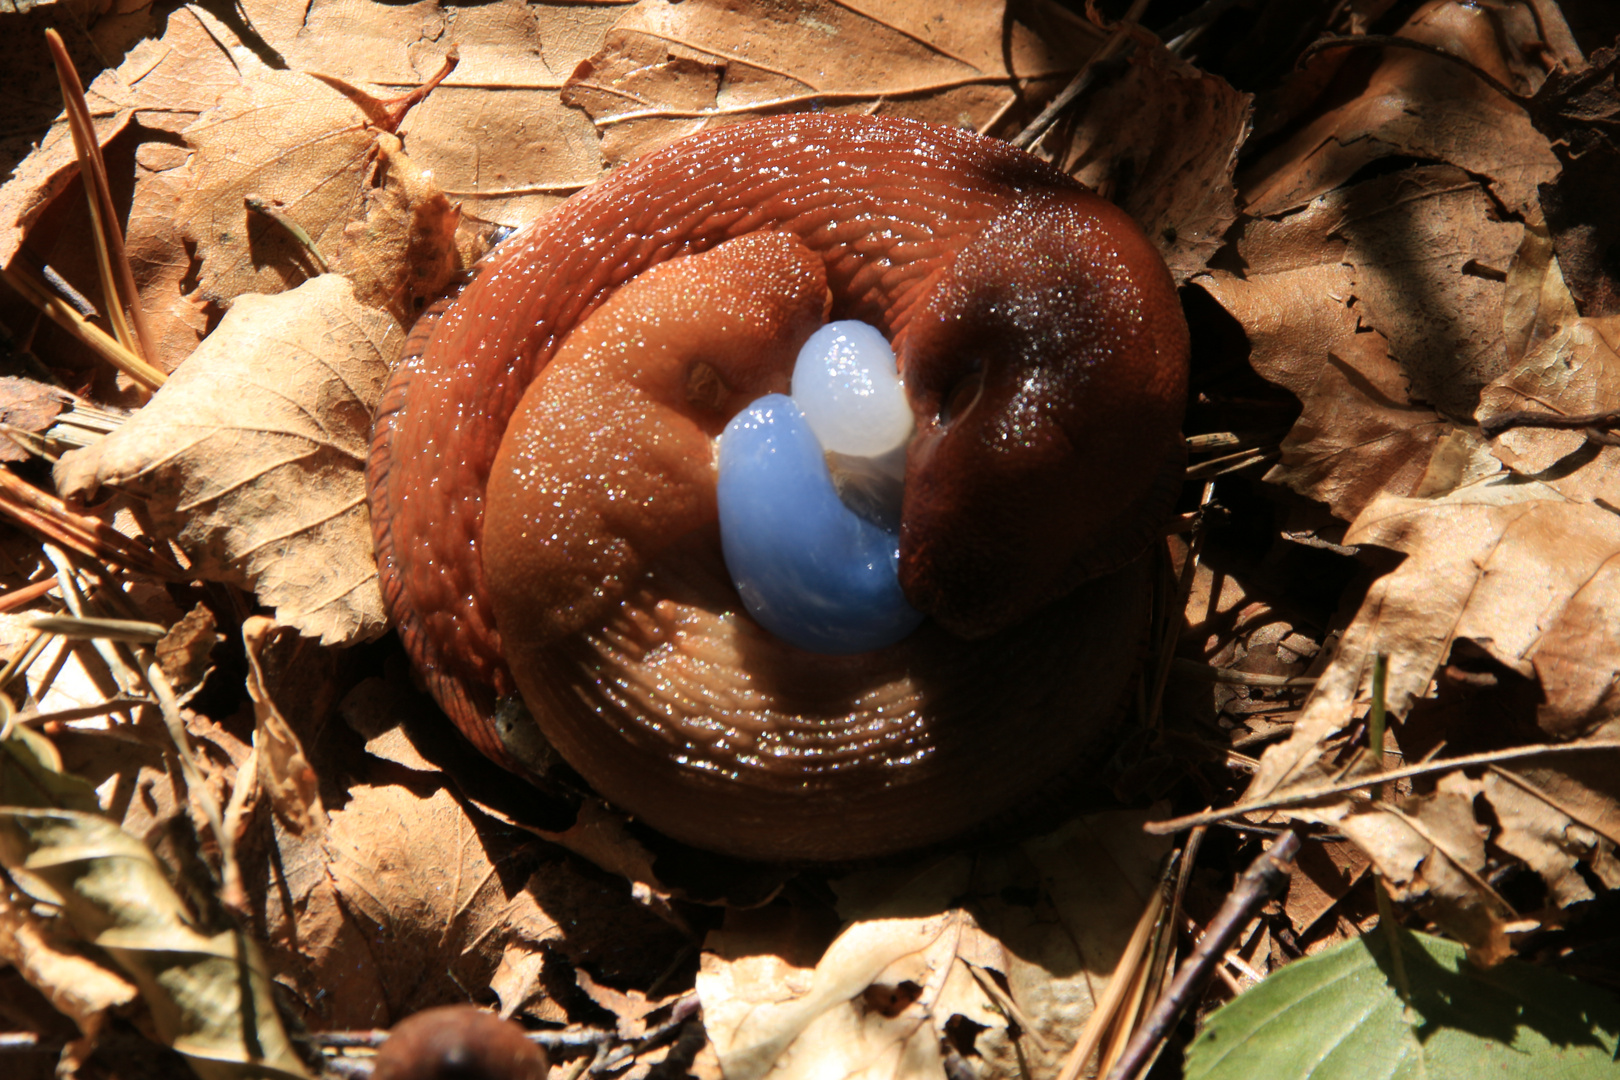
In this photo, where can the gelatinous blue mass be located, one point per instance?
(809, 569)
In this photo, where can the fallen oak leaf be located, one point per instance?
(667, 71)
(1430, 851)
(1572, 373)
(1179, 190)
(1532, 578)
(1420, 106)
(252, 457)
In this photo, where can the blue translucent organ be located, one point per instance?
(809, 569)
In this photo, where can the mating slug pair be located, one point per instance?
(542, 481)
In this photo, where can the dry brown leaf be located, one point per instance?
(183, 653)
(1575, 371)
(1052, 916)
(246, 129)
(1576, 108)
(39, 173)
(77, 986)
(252, 457)
(406, 882)
(852, 1015)
(1555, 822)
(29, 406)
(1420, 106)
(1428, 258)
(292, 141)
(1162, 142)
(1538, 299)
(1325, 873)
(1527, 575)
(402, 256)
(630, 1008)
(1430, 851)
(1366, 304)
(414, 876)
(321, 955)
(1501, 564)
(284, 769)
(518, 987)
(1358, 434)
(666, 71)
(162, 85)
(494, 134)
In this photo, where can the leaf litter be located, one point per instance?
(1398, 312)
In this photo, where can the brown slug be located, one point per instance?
(542, 481)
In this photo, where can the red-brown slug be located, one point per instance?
(550, 530)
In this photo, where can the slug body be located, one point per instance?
(1043, 353)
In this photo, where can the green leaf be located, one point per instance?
(1339, 1015)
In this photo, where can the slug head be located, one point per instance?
(1048, 373)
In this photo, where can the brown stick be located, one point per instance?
(1262, 880)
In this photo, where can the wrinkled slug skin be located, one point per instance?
(948, 243)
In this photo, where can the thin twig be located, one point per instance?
(24, 595)
(1192, 669)
(1104, 1009)
(70, 626)
(684, 1009)
(1230, 463)
(398, 107)
(1323, 791)
(1262, 880)
(83, 712)
(1121, 44)
(1233, 440)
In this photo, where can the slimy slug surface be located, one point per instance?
(551, 494)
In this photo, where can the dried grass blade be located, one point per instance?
(89, 334)
(117, 280)
(50, 517)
